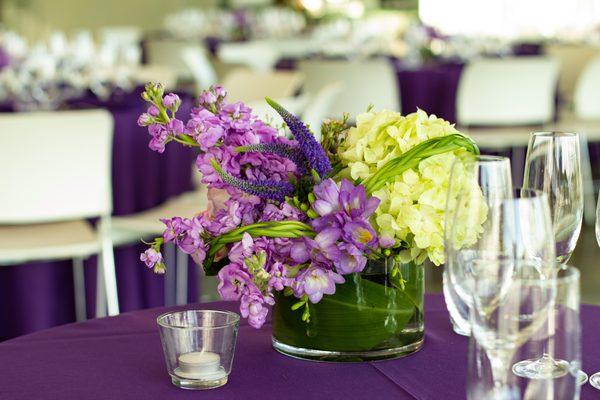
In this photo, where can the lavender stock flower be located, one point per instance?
(281, 149)
(314, 153)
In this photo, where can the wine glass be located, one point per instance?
(565, 342)
(482, 179)
(509, 273)
(595, 379)
(553, 166)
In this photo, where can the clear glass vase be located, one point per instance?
(376, 314)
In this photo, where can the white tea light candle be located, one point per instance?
(200, 365)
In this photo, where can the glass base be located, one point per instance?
(343, 356)
(582, 377)
(595, 380)
(197, 384)
(542, 368)
(460, 331)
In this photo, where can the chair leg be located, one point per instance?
(100, 290)
(110, 277)
(79, 286)
(181, 295)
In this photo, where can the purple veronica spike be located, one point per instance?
(267, 189)
(281, 149)
(314, 153)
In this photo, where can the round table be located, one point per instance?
(121, 358)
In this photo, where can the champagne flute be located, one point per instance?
(479, 180)
(511, 274)
(553, 166)
(595, 379)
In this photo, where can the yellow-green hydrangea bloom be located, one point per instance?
(413, 205)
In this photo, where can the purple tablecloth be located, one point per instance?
(121, 358)
(40, 295)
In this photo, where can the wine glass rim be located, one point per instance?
(554, 134)
(489, 158)
(234, 319)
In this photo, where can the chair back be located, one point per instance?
(155, 73)
(257, 55)
(200, 67)
(587, 92)
(169, 53)
(121, 35)
(264, 111)
(247, 85)
(364, 82)
(507, 91)
(319, 107)
(55, 166)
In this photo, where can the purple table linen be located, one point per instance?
(121, 358)
(39, 295)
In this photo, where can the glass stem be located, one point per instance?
(499, 360)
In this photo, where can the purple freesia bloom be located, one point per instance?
(351, 260)
(315, 282)
(323, 249)
(327, 196)
(360, 233)
(354, 200)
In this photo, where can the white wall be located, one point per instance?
(35, 18)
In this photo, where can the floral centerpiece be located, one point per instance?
(332, 235)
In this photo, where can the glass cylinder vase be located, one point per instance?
(376, 314)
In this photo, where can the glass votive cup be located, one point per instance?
(198, 346)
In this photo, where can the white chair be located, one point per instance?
(121, 35)
(506, 97)
(169, 53)
(155, 73)
(56, 174)
(200, 67)
(132, 228)
(507, 91)
(585, 120)
(246, 85)
(295, 105)
(257, 55)
(364, 82)
(319, 107)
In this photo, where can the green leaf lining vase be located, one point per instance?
(376, 314)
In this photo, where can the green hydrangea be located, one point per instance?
(412, 204)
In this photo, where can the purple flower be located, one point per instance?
(351, 259)
(153, 110)
(175, 127)
(323, 249)
(158, 142)
(233, 281)
(151, 257)
(145, 119)
(360, 233)
(354, 200)
(254, 307)
(315, 282)
(327, 196)
(314, 153)
(386, 242)
(171, 101)
(278, 278)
